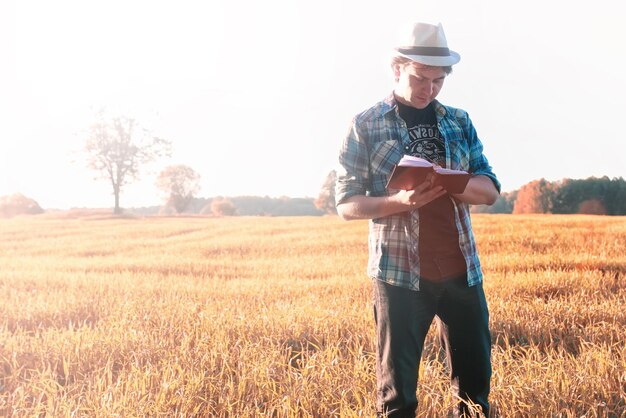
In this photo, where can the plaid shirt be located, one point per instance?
(374, 145)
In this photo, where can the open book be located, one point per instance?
(411, 171)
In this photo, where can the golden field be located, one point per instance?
(271, 317)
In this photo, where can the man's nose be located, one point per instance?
(428, 87)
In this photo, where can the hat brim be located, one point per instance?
(435, 61)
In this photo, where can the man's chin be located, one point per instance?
(420, 104)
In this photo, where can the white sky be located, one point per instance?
(268, 88)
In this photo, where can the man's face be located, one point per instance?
(418, 84)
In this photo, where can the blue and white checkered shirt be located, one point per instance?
(376, 142)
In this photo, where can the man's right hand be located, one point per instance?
(423, 194)
(371, 207)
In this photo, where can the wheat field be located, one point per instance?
(271, 317)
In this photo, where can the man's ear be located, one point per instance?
(396, 70)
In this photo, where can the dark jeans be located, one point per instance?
(403, 318)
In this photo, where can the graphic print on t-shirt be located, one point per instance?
(424, 134)
(426, 143)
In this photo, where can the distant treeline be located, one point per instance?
(242, 206)
(601, 196)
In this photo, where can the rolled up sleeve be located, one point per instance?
(479, 165)
(353, 167)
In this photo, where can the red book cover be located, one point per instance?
(411, 171)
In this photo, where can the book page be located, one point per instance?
(411, 161)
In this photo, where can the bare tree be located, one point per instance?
(180, 183)
(118, 147)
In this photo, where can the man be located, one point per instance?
(422, 253)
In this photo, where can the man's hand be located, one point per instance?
(423, 194)
(369, 207)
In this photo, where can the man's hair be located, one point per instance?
(404, 61)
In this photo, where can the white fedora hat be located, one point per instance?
(427, 45)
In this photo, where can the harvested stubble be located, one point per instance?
(271, 317)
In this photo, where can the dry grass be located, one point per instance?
(271, 317)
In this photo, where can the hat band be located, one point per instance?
(432, 51)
